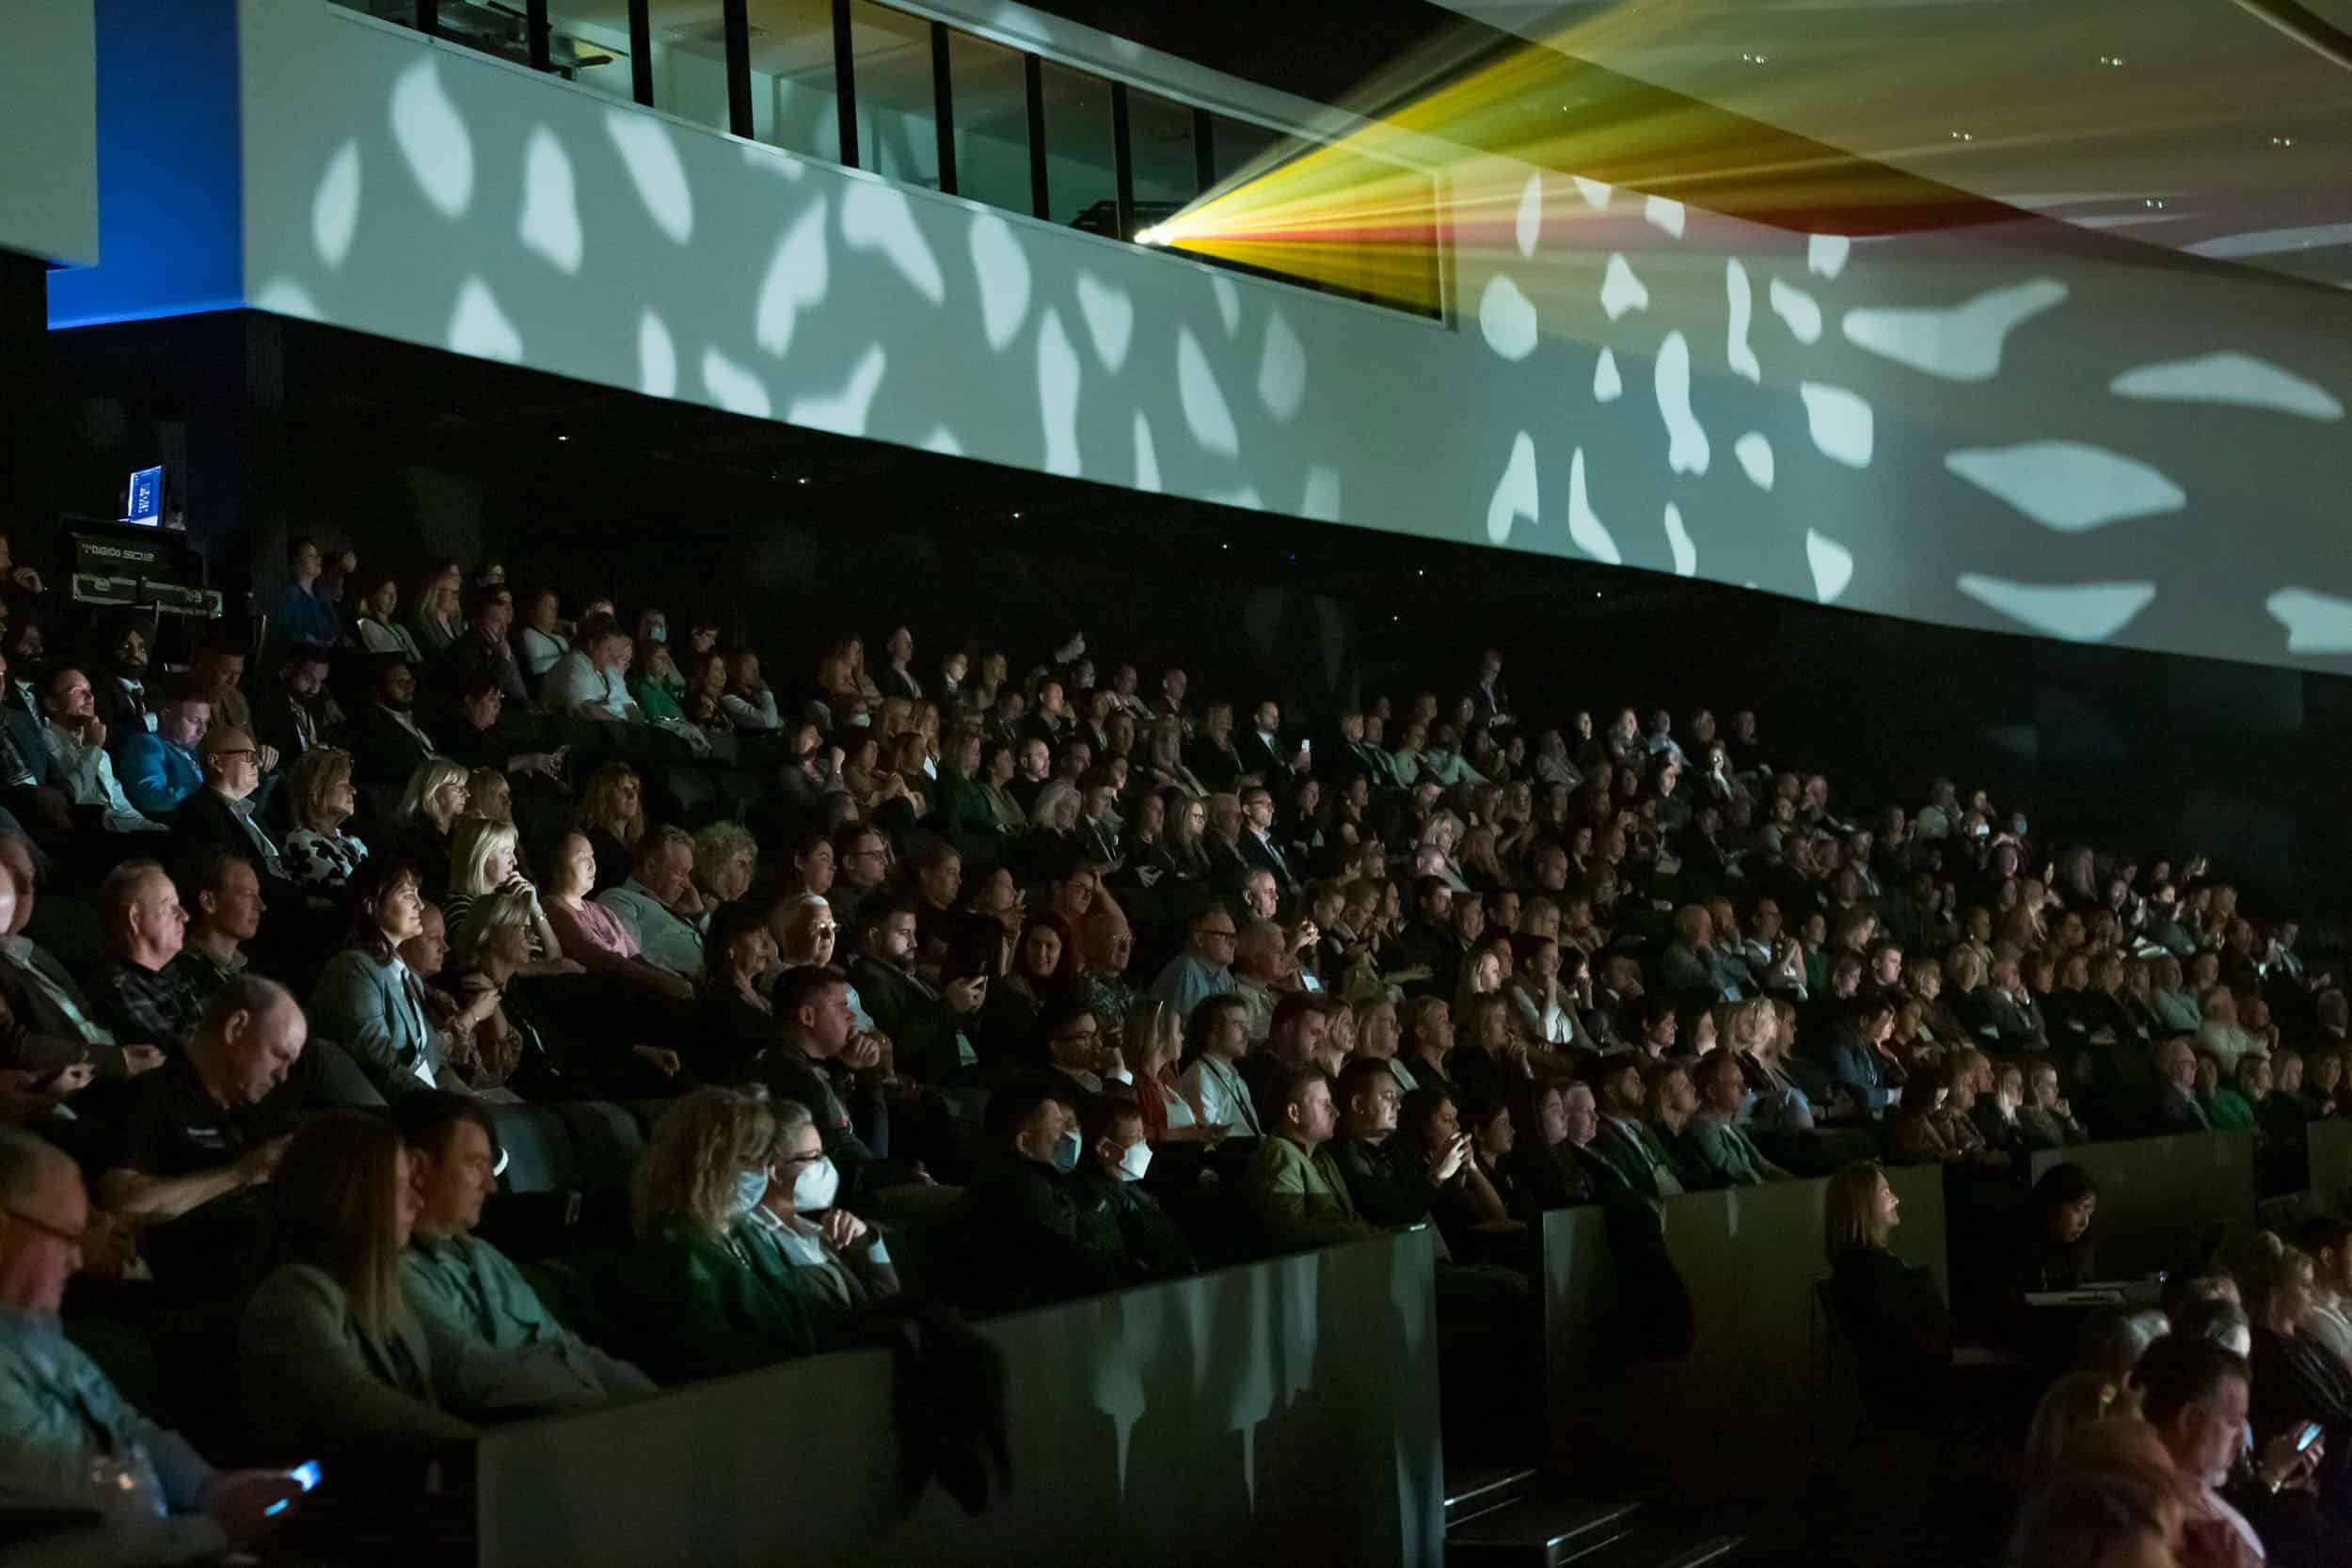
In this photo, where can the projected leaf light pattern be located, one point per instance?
(1840, 397)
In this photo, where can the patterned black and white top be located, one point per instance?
(317, 858)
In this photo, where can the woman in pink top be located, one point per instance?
(592, 935)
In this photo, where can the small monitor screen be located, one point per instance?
(143, 499)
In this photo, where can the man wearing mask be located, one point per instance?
(77, 1451)
(1117, 1217)
(842, 1260)
(1017, 1223)
(473, 1302)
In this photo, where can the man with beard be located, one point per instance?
(119, 691)
(385, 739)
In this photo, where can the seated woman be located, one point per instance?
(2057, 1253)
(612, 818)
(481, 861)
(367, 998)
(841, 1258)
(320, 799)
(1428, 1042)
(705, 1291)
(1186, 836)
(375, 628)
(1891, 1320)
(726, 858)
(436, 614)
(1045, 975)
(703, 700)
(1052, 841)
(564, 1052)
(1471, 1214)
(655, 683)
(591, 935)
(335, 1362)
(425, 820)
(1544, 1171)
(1490, 1060)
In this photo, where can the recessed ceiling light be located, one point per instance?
(562, 437)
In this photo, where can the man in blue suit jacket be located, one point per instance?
(160, 770)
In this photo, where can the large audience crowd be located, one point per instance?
(942, 976)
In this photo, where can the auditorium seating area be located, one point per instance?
(816, 1014)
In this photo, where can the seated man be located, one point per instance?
(140, 989)
(222, 812)
(473, 735)
(928, 1026)
(591, 681)
(1710, 1143)
(1117, 1217)
(1388, 1183)
(657, 905)
(76, 737)
(1295, 1188)
(293, 716)
(197, 1139)
(473, 1302)
(385, 741)
(122, 1489)
(1294, 1040)
(54, 1023)
(484, 649)
(812, 1012)
(1019, 1240)
(159, 767)
(1204, 968)
(222, 894)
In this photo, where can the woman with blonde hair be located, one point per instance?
(481, 861)
(320, 799)
(1151, 1040)
(1889, 1315)
(726, 857)
(612, 818)
(426, 818)
(437, 615)
(705, 1291)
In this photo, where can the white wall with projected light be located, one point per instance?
(2026, 428)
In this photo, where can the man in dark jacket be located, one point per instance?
(1117, 1217)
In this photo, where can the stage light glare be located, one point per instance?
(1151, 236)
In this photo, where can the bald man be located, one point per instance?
(222, 812)
(70, 1444)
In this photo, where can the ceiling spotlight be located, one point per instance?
(803, 480)
(1754, 59)
(562, 437)
(2151, 201)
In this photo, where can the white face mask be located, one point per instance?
(817, 1186)
(1134, 1160)
(1121, 1075)
(750, 1187)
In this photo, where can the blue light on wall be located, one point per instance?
(170, 199)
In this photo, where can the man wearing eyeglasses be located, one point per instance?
(1204, 968)
(120, 1488)
(222, 812)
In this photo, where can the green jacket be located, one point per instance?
(698, 1308)
(1300, 1196)
(469, 1295)
(2230, 1109)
